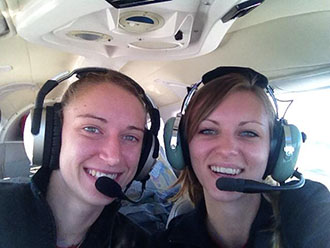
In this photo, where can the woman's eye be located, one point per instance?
(131, 138)
(92, 130)
(249, 134)
(207, 131)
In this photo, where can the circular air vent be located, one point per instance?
(140, 21)
(89, 35)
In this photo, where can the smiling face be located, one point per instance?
(233, 141)
(102, 134)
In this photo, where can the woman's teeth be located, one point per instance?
(98, 174)
(225, 170)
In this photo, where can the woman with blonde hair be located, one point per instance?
(98, 131)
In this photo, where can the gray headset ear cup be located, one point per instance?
(174, 156)
(285, 164)
(147, 159)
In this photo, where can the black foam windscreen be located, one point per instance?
(242, 185)
(108, 187)
(111, 188)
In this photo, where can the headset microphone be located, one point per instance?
(250, 186)
(111, 188)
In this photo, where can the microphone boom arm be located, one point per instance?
(250, 186)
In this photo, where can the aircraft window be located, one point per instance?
(309, 113)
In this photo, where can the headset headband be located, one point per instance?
(50, 85)
(260, 81)
(81, 72)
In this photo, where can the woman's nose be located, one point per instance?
(110, 150)
(227, 145)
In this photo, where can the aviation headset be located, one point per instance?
(46, 126)
(284, 145)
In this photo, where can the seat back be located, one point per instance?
(181, 206)
(13, 160)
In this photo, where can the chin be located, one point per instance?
(225, 196)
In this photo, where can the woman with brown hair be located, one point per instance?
(229, 143)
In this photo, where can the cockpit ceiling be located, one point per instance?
(177, 28)
(293, 51)
(286, 40)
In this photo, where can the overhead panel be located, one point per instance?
(164, 30)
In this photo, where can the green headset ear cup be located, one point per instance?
(285, 164)
(174, 156)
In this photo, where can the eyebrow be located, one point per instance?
(252, 121)
(240, 124)
(136, 128)
(92, 117)
(132, 127)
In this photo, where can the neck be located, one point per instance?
(72, 216)
(229, 223)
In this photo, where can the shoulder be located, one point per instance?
(14, 196)
(310, 193)
(181, 226)
(305, 216)
(17, 200)
(21, 221)
(312, 199)
(10, 189)
(178, 230)
(129, 223)
(129, 234)
(186, 230)
(183, 221)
